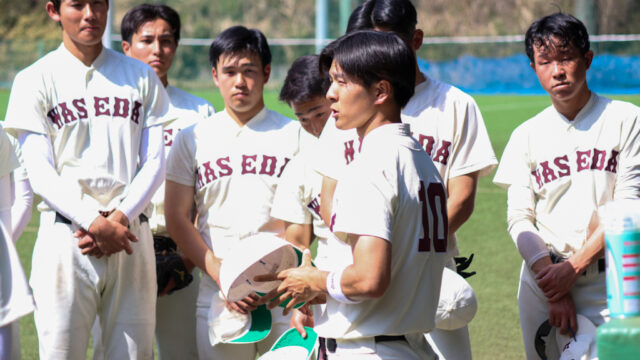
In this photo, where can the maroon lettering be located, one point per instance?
(199, 183)
(223, 164)
(597, 163)
(314, 205)
(430, 141)
(582, 159)
(121, 107)
(268, 165)
(349, 152)
(433, 201)
(100, 105)
(247, 166)
(286, 161)
(547, 173)
(135, 113)
(54, 117)
(562, 162)
(168, 137)
(536, 173)
(442, 156)
(80, 108)
(66, 113)
(209, 174)
(612, 164)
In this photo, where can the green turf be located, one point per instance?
(495, 331)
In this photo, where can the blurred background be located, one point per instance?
(475, 45)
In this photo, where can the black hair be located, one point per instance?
(304, 81)
(369, 56)
(238, 39)
(558, 30)
(398, 16)
(141, 14)
(56, 4)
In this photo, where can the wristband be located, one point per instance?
(335, 289)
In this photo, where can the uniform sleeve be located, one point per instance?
(514, 167)
(27, 107)
(157, 102)
(8, 157)
(289, 203)
(474, 152)
(181, 163)
(364, 203)
(628, 179)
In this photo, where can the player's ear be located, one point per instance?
(588, 58)
(51, 11)
(416, 41)
(126, 47)
(382, 91)
(533, 66)
(214, 74)
(267, 72)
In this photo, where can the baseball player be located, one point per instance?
(150, 33)
(390, 208)
(15, 296)
(559, 167)
(89, 122)
(230, 164)
(448, 125)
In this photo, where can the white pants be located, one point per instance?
(589, 296)
(415, 348)
(71, 289)
(176, 322)
(450, 344)
(208, 289)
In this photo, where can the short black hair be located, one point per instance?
(556, 30)
(304, 82)
(56, 4)
(141, 14)
(368, 56)
(398, 16)
(238, 39)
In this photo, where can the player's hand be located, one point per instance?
(120, 217)
(300, 318)
(246, 305)
(297, 284)
(556, 280)
(111, 236)
(562, 314)
(87, 244)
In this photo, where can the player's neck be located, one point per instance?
(85, 53)
(570, 108)
(380, 118)
(420, 78)
(243, 117)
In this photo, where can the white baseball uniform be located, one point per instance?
(394, 192)
(234, 171)
(559, 172)
(176, 312)
(96, 132)
(448, 125)
(15, 296)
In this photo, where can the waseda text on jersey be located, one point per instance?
(68, 112)
(440, 155)
(592, 159)
(255, 164)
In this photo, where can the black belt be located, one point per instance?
(61, 219)
(331, 343)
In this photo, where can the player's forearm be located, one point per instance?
(190, 242)
(326, 198)
(22, 207)
(461, 200)
(300, 235)
(592, 250)
(45, 181)
(149, 177)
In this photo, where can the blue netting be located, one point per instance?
(609, 74)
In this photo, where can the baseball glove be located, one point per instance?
(169, 265)
(462, 263)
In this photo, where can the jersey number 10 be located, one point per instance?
(437, 207)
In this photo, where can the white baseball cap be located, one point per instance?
(458, 304)
(228, 326)
(291, 346)
(582, 346)
(263, 253)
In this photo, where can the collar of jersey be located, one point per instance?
(252, 123)
(72, 62)
(382, 134)
(582, 114)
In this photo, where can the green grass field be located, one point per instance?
(495, 331)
